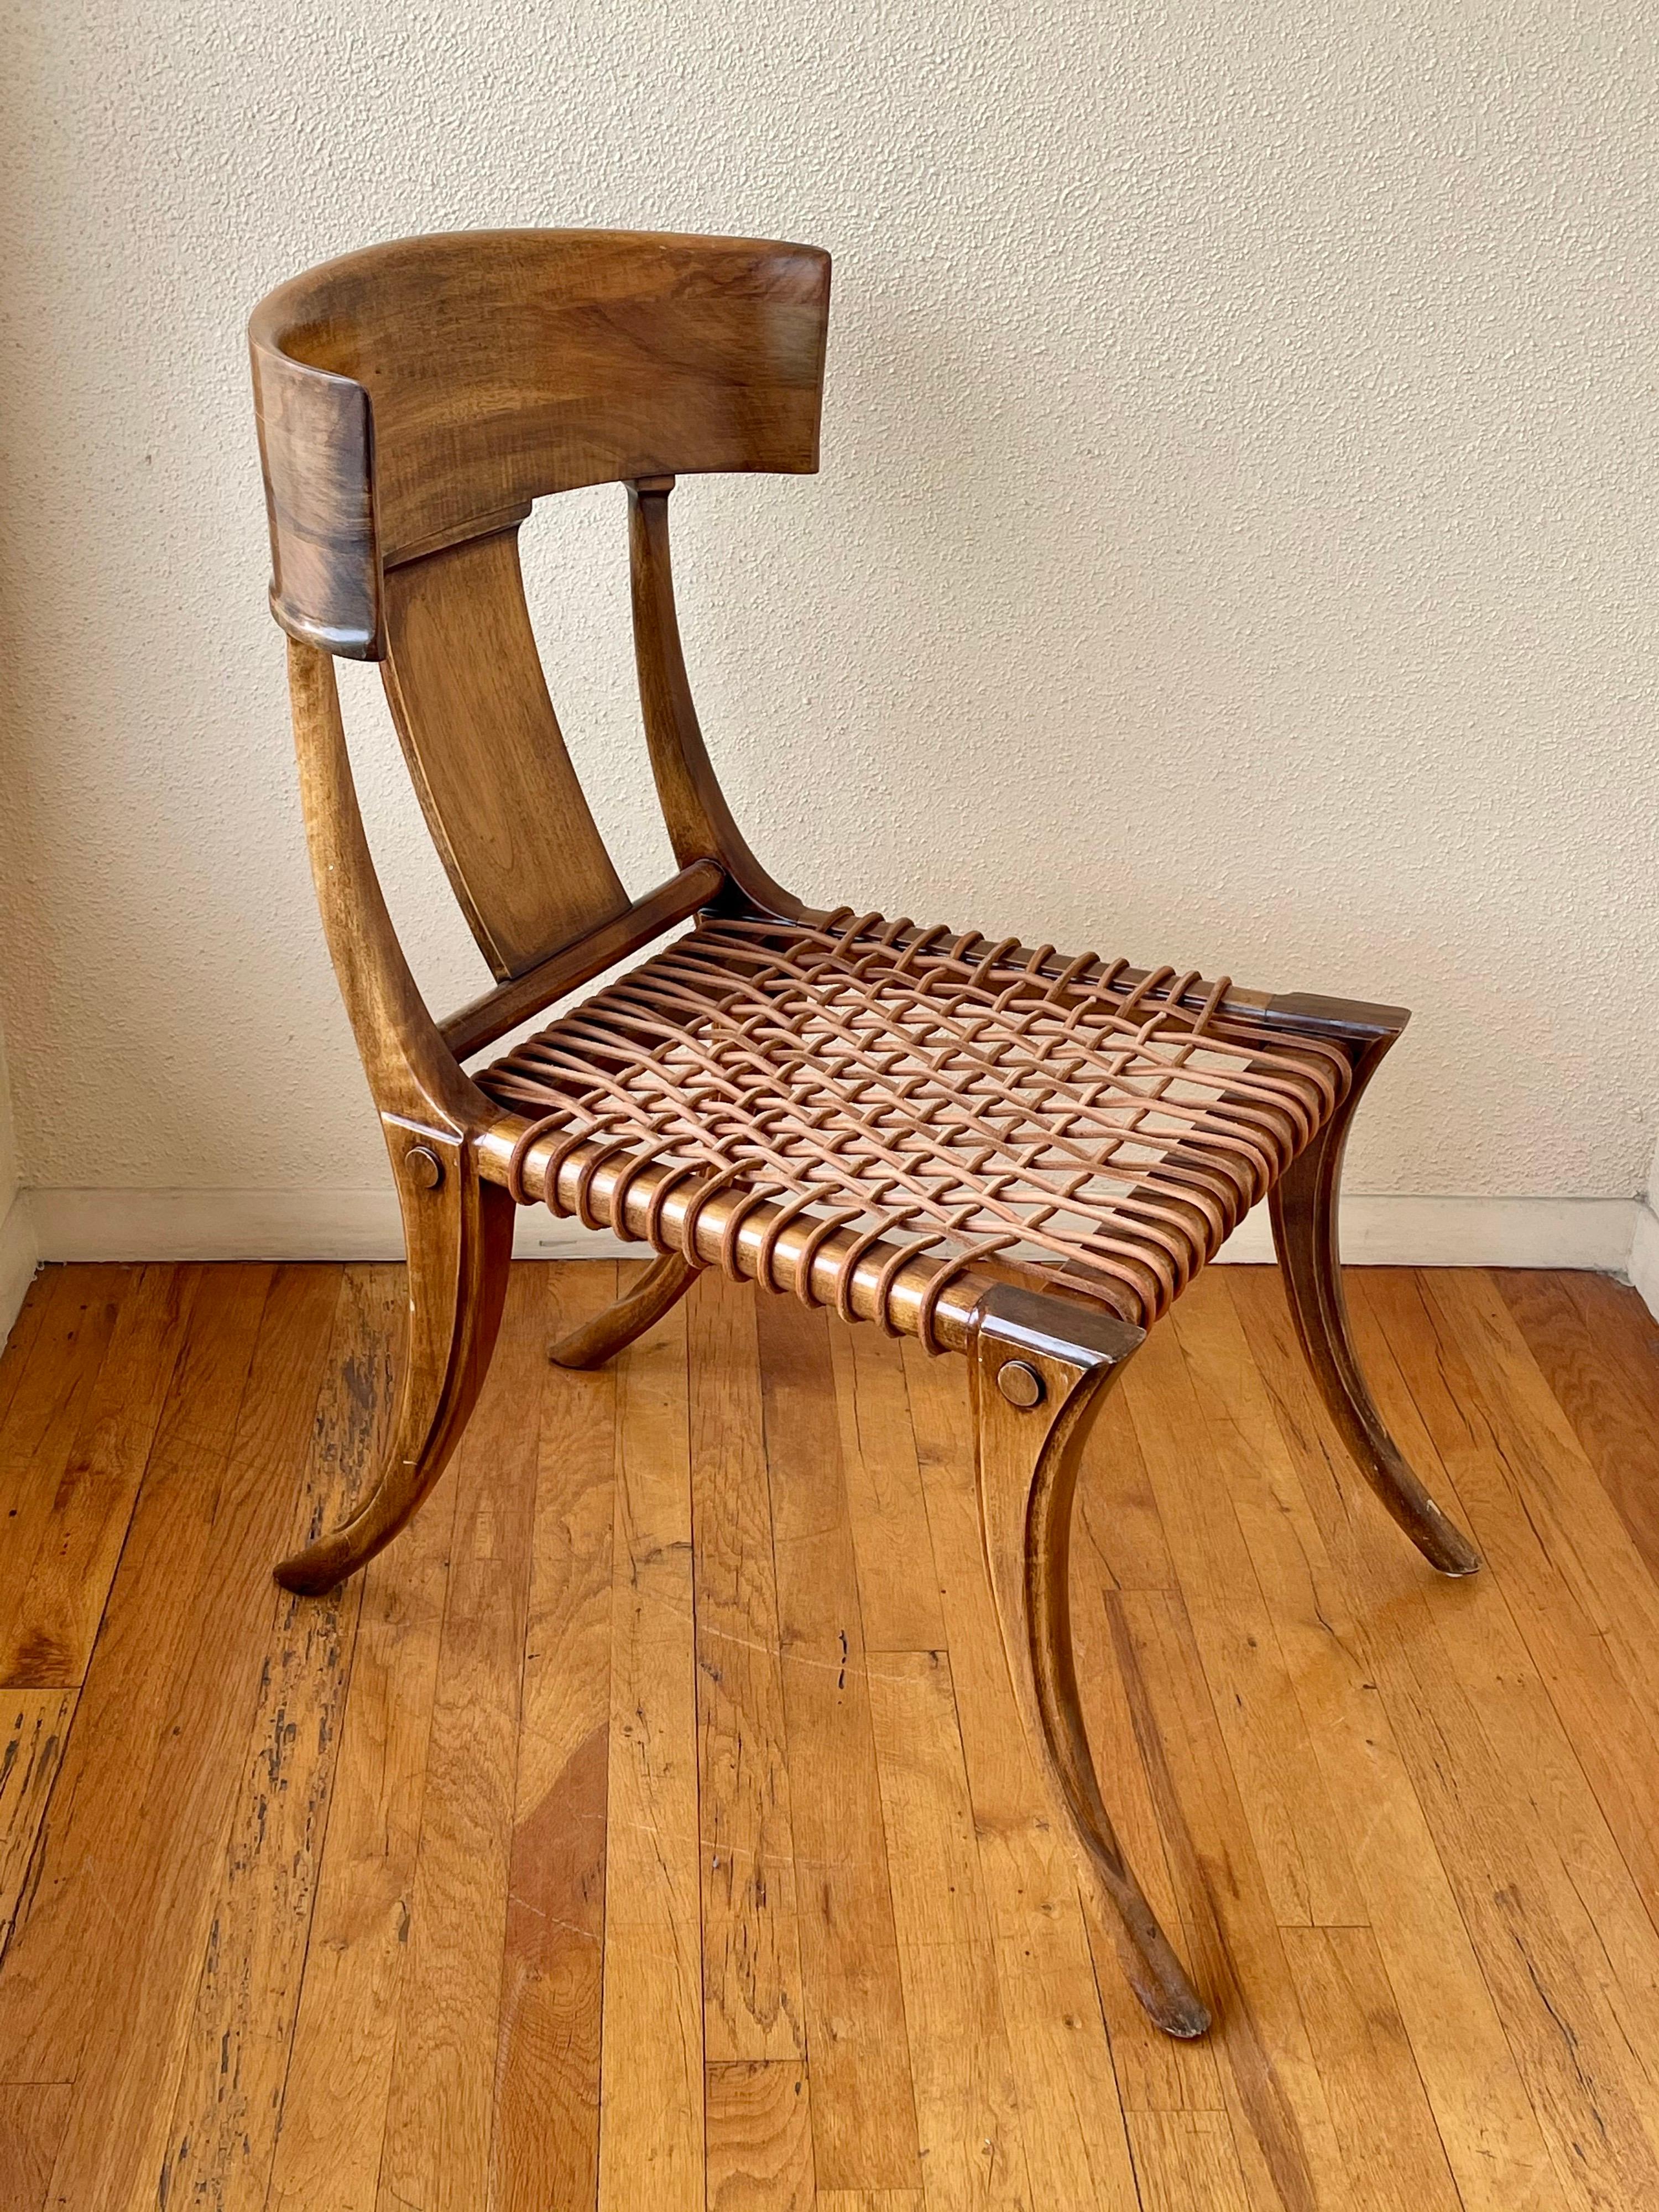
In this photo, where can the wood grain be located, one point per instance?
(546, 2148)
(34, 1728)
(752, 2006)
(50, 1405)
(1288, 1461)
(898, 1581)
(651, 2134)
(967, 2108)
(447, 1912)
(502, 365)
(51, 1625)
(1490, 2131)
(339, 2072)
(1599, 1351)
(33, 2118)
(136, 1826)
(440, 2110)
(484, 749)
(863, 2122)
(760, 2137)
(227, 2099)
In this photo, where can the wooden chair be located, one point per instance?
(1015, 1157)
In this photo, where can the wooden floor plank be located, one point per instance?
(440, 2116)
(1281, 2124)
(651, 2108)
(33, 2118)
(1577, 1588)
(18, 1348)
(1077, 2152)
(869, 2199)
(760, 2137)
(34, 1727)
(95, 1873)
(1569, 2022)
(1117, 1525)
(48, 1411)
(898, 1585)
(93, 1982)
(752, 2006)
(47, 1632)
(227, 2101)
(1185, 2159)
(864, 2126)
(1391, 2148)
(967, 2106)
(339, 2071)
(546, 2153)
(1299, 1844)
(1553, 1701)
(1597, 1345)
(1474, 2091)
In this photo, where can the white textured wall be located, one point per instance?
(9, 1176)
(17, 1242)
(1236, 542)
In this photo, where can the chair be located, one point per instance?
(1015, 1156)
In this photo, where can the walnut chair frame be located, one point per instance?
(414, 400)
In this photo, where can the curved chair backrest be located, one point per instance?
(414, 399)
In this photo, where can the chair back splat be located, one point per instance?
(414, 400)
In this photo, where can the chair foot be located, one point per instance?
(1304, 1208)
(1041, 1369)
(658, 1288)
(458, 1233)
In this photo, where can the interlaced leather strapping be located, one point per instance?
(937, 1093)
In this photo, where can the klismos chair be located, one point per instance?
(1015, 1157)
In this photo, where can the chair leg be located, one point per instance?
(1304, 1207)
(659, 1288)
(457, 1231)
(1040, 1370)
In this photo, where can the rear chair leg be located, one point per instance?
(658, 1288)
(1304, 1207)
(458, 1233)
(1041, 1369)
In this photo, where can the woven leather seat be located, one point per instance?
(941, 1092)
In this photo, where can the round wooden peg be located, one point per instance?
(1020, 1384)
(423, 1167)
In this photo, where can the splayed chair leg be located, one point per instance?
(459, 1234)
(1041, 1369)
(1304, 1207)
(660, 1289)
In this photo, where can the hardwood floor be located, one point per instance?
(650, 1825)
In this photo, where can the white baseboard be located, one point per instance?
(1391, 1230)
(1643, 1265)
(267, 1225)
(20, 1256)
(1387, 1230)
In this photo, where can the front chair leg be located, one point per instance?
(1041, 1368)
(457, 1231)
(658, 1288)
(1304, 1208)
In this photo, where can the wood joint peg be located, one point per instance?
(423, 1167)
(1020, 1384)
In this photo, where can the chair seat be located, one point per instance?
(1061, 1121)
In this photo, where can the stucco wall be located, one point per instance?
(17, 1242)
(1234, 545)
(9, 1176)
